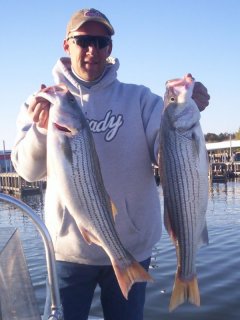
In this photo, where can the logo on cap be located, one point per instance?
(92, 13)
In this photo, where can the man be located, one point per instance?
(125, 120)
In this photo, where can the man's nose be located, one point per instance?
(92, 48)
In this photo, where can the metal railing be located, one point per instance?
(56, 308)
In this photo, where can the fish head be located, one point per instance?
(181, 109)
(179, 90)
(65, 114)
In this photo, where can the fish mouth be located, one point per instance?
(61, 128)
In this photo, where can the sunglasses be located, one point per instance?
(84, 41)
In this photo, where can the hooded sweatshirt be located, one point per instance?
(124, 120)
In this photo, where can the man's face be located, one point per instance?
(88, 63)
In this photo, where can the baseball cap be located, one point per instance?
(85, 15)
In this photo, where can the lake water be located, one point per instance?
(218, 265)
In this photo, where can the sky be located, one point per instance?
(155, 40)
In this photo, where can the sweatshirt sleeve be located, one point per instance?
(29, 152)
(152, 106)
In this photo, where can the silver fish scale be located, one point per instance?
(181, 187)
(88, 183)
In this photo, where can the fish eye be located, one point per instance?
(72, 99)
(172, 99)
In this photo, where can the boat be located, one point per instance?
(24, 307)
(17, 296)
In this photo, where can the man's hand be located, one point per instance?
(200, 96)
(38, 110)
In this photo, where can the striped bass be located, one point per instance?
(184, 176)
(72, 157)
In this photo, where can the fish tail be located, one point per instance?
(184, 291)
(126, 277)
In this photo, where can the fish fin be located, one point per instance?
(89, 237)
(204, 237)
(167, 222)
(184, 291)
(126, 277)
(114, 210)
(86, 235)
(197, 141)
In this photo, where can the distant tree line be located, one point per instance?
(213, 137)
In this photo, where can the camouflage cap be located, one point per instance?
(85, 15)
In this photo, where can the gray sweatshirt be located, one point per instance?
(125, 120)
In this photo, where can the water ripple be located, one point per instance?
(217, 264)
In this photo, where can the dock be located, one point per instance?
(233, 169)
(221, 172)
(218, 172)
(12, 183)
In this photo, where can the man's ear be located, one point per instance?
(66, 46)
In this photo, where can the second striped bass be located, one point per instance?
(184, 177)
(73, 163)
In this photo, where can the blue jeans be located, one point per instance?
(77, 284)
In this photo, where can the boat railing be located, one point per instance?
(55, 307)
